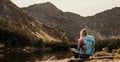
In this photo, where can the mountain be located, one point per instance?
(103, 25)
(44, 25)
(13, 25)
(48, 14)
(45, 22)
(17, 28)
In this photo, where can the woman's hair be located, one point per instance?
(83, 32)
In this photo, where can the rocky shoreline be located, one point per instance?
(82, 60)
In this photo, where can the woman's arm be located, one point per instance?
(78, 45)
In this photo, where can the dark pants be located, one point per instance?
(83, 56)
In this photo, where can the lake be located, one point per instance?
(33, 57)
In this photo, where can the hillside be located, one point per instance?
(48, 14)
(104, 25)
(13, 25)
(17, 28)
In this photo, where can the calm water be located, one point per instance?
(33, 57)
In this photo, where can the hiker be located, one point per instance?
(86, 44)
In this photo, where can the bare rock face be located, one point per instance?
(10, 11)
(106, 24)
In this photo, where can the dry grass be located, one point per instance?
(102, 53)
(117, 54)
(103, 60)
(45, 36)
(118, 51)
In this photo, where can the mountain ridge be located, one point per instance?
(72, 23)
(54, 25)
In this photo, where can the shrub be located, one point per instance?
(110, 43)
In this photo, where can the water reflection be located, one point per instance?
(33, 57)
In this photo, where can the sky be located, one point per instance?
(81, 7)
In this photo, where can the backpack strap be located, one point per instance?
(93, 44)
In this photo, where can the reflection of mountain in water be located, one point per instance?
(32, 57)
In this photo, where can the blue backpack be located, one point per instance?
(89, 43)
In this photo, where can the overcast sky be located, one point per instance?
(81, 7)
